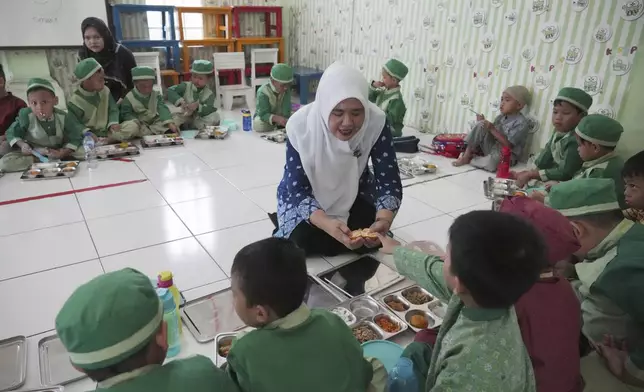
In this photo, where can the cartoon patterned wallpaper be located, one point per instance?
(462, 53)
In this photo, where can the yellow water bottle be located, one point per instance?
(165, 281)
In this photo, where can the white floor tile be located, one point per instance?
(31, 302)
(172, 167)
(412, 211)
(317, 265)
(205, 290)
(223, 245)
(118, 200)
(445, 195)
(255, 175)
(191, 266)
(39, 214)
(107, 172)
(135, 230)
(479, 207)
(12, 188)
(435, 230)
(265, 197)
(472, 179)
(45, 249)
(217, 213)
(196, 186)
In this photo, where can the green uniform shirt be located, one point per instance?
(62, 131)
(270, 103)
(391, 102)
(308, 350)
(476, 349)
(559, 159)
(608, 166)
(188, 93)
(98, 111)
(149, 110)
(195, 374)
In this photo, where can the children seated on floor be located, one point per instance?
(510, 129)
(492, 260)
(559, 160)
(43, 128)
(93, 105)
(387, 96)
(608, 281)
(274, 100)
(294, 348)
(113, 329)
(195, 98)
(143, 111)
(9, 108)
(633, 175)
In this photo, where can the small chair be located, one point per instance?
(150, 59)
(261, 56)
(234, 61)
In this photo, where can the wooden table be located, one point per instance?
(217, 21)
(266, 10)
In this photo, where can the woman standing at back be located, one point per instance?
(117, 60)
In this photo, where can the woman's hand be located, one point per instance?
(336, 229)
(380, 226)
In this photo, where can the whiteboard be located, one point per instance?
(46, 23)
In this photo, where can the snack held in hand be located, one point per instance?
(363, 233)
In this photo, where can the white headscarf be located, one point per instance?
(333, 166)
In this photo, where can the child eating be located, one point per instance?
(274, 100)
(387, 96)
(510, 129)
(633, 175)
(195, 98)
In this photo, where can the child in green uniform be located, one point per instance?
(44, 128)
(113, 329)
(493, 259)
(559, 159)
(294, 348)
(608, 281)
(386, 94)
(143, 111)
(93, 105)
(274, 100)
(195, 98)
(633, 175)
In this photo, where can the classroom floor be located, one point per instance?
(185, 209)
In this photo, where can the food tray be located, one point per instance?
(320, 296)
(50, 171)
(416, 166)
(116, 150)
(213, 132)
(276, 137)
(376, 275)
(151, 141)
(364, 311)
(498, 188)
(55, 368)
(433, 310)
(207, 316)
(403, 175)
(223, 339)
(13, 363)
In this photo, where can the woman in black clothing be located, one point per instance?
(116, 59)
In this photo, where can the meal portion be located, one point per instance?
(344, 314)
(224, 348)
(364, 333)
(396, 304)
(418, 321)
(416, 296)
(363, 233)
(387, 324)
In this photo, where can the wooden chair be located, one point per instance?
(261, 56)
(232, 61)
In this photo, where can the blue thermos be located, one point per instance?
(247, 120)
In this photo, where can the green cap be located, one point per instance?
(202, 67)
(108, 319)
(40, 83)
(576, 97)
(86, 68)
(520, 93)
(583, 196)
(143, 73)
(396, 69)
(282, 73)
(599, 129)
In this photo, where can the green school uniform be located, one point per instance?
(391, 102)
(96, 110)
(476, 349)
(62, 131)
(559, 159)
(144, 115)
(308, 350)
(608, 166)
(186, 92)
(269, 104)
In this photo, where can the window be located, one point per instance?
(192, 23)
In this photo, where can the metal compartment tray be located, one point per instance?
(213, 132)
(13, 363)
(207, 316)
(50, 171)
(57, 388)
(109, 151)
(365, 312)
(498, 188)
(55, 368)
(151, 141)
(416, 166)
(433, 310)
(278, 137)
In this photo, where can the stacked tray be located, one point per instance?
(498, 188)
(416, 166)
(208, 316)
(416, 306)
(367, 318)
(161, 141)
(13, 363)
(223, 342)
(55, 368)
(276, 137)
(50, 171)
(213, 132)
(116, 150)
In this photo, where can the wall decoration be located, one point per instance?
(510, 17)
(603, 33)
(427, 22)
(483, 85)
(573, 54)
(494, 105)
(506, 63)
(632, 9)
(441, 96)
(465, 100)
(592, 84)
(435, 43)
(550, 32)
(604, 110)
(541, 80)
(533, 123)
(451, 20)
(470, 61)
(496, 3)
(441, 5)
(488, 42)
(620, 65)
(449, 61)
(478, 18)
(419, 94)
(579, 5)
(527, 53)
(431, 80)
(540, 6)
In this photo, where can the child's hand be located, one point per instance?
(378, 84)
(487, 124)
(388, 244)
(480, 117)
(25, 148)
(550, 184)
(538, 196)
(115, 128)
(428, 247)
(279, 120)
(192, 106)
(173, 128)
(523, 178)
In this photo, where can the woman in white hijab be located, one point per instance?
(327, 189)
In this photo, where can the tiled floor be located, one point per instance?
(197, 206)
